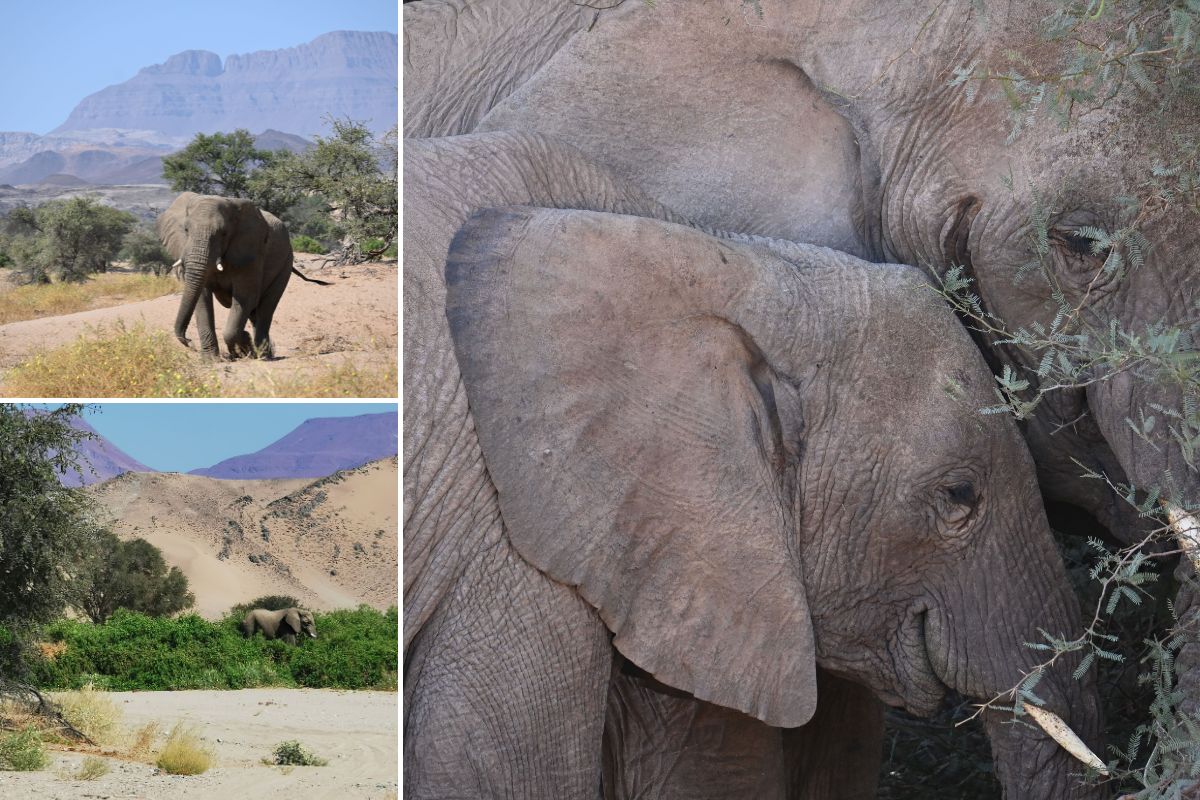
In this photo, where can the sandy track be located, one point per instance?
(355, 731)
(315, 327)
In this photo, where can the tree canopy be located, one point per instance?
(220, 163)
(131, 575)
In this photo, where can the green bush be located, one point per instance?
(371, 245)
(307, 244)
(354, 650)
(271, 602)
(23, 751)
(292, 753)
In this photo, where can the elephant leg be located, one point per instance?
(265, 311)
(236, 339)
(206, 325)
(290, 638)
(505, 688)
(839, 752)
(660, 743)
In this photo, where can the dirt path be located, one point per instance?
(353, 320)
(355, 731)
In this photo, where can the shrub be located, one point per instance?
(23, 751)
(292, 753)
(184, 753)
(271, 602)
(307, 244)
(142, 249)
(92, 712)
(91, 769)
(116, 362)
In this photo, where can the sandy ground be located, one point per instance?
(315, 327)
(355, 731)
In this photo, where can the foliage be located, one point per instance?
(90, 769)
(23, 751)
(219, 163)
(307, 244)
(92, 712)
(45, 527)
(113, 362)
(128, 574)
(292, 753)
(45, 300)
(355, 649)
(184, 753)
(309, 216)
(69, 239)
(142, 249)
(355, 178)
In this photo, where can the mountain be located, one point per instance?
(106, 459)
(316, 448)
(331, 543)
(344, 74)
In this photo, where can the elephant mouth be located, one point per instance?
(920, 689)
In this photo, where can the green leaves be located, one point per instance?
(219, 163)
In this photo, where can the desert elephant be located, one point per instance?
(838, 125)
(457, 540)
(242, 255)
(286, 624)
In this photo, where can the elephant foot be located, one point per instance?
(186, 342)
(241, 346)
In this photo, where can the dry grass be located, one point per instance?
(340, 380)
(51, 650)
(142, 741)
(108, 289)
(113, 362)
(91, 769)
(184, 753)
(92, 712)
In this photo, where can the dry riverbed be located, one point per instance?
(355, 731)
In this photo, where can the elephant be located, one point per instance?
(520, 653)
(229, 248)
(286, 624)
(840, 125)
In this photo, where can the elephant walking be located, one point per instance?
(286, 624)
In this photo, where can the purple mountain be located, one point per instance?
(106, 460)
(318, 447)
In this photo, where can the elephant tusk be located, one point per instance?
(1188, 530)
(1058, 730)
(220, 266)
(177, 264)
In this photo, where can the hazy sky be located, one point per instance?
(53, 53)
(177, 437)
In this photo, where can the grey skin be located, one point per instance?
(255, 255)
(286, 624)
(497, 629)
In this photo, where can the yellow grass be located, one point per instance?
(143, 741)
(113, 362)
(106, 289)
(90, 769)
(92, 712)
(340, 380)
(184, 753)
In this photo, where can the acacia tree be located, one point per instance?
(220, 163)
(79, 236)
(46, 529)
(131, 575)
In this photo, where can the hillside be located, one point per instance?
(332, 542)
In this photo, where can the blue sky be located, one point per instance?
(53, 53)
(178, 436)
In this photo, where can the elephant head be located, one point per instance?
(732, 452)
(213, 235)
(301, 622)
(837, 125)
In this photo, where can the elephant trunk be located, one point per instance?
(198, 260)
(978, 646)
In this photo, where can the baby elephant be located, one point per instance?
(283, 624)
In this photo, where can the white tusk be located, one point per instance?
(220, 266)
(1188, 530)
(177, 264)
(1058, 730)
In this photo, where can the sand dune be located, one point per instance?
(331, 543)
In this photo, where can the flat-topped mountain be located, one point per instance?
(344, 73)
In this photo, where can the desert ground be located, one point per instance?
(355, 731)
(315, 327)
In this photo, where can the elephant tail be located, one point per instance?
(310, 280)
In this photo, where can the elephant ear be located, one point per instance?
(630, 425)
(292, 618)
(170, 225)
(249, 239)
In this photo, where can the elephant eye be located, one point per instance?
(956, 504)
